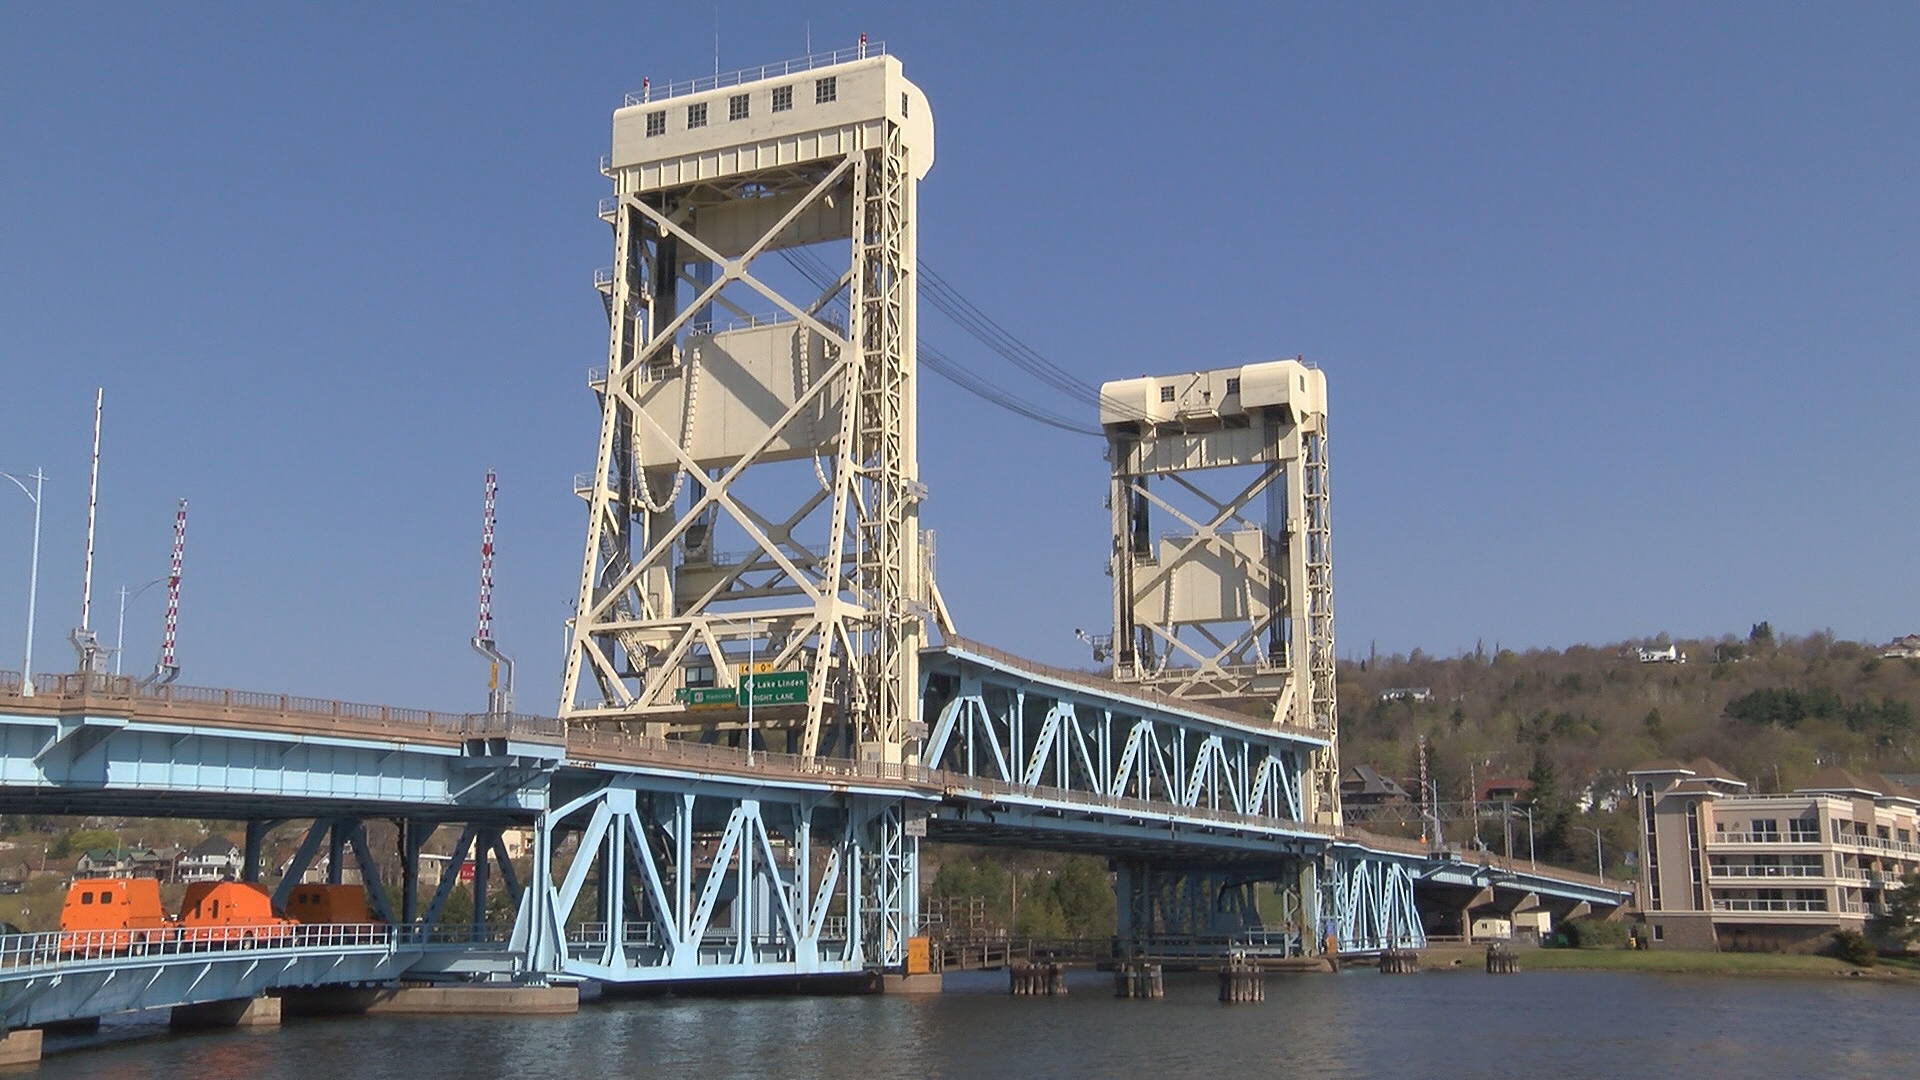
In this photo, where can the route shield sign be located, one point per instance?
(707, 697)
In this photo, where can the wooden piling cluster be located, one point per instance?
(1036, 980)
(1501, 960)
(1242, 981)
(1138, 980)
(1400, 962)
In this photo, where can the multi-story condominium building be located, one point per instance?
(1727, 869)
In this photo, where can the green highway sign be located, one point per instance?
(774, 688)
(707, 697)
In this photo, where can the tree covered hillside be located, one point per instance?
(1772, 709)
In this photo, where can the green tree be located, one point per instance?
(75, 841)
(1085, 896)
(1899, 924)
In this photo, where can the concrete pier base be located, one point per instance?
(910, 984)
(20, 1047)
(434, 1001)
(260, 1012)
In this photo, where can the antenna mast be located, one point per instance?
(92, 659)
(500, 668)
(167, 671)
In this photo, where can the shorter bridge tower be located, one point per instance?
(1232, 600)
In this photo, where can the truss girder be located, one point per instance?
(1370, 904)
(665, 882)
(1032, 738)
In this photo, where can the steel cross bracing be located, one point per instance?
(1032, 736)
(833, 582)
(1236, 604)
(680, 879)
(1370, 903)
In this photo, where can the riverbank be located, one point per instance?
(1668, 961)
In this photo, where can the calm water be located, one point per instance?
(1359, 1024)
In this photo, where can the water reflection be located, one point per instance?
(1359, 1024)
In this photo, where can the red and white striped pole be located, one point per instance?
(485, 631)
(167, 668)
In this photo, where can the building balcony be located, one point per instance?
(1875, 843)
(1721, 839)
(1767, 871)
(1782, 906)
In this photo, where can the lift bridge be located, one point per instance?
(766, 708)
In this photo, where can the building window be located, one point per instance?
(737, 107)
(1803, 830)
(1659, 932)
(782, 98)
(825, 90)
(697, 115)
(656, 123)
(903, 104)
(1233, 384)
(1166, 393)
(1766, 829)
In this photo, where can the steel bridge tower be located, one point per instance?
(755, 502)
(1234, 602)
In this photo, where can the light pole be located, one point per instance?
(33, 573)
(1599, 862)
(744, 683)
(120, 632)
(1530, 859)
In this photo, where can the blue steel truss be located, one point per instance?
(681, 877)
(1369, 902)
(668, 860)
(1041, 730)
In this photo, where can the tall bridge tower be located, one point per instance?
(1233, 601)
(754, 569)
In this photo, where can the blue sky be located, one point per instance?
(1617, 305)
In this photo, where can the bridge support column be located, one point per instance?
(256, 836)
(232, 1013)
(21, 1047)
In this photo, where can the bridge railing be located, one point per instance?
(57, 692)
(55, 948)
(1138, 692)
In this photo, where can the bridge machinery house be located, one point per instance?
(1726, 869)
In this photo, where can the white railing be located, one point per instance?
(56, 947)
(1767, 871)
(1875, 843)
(1769, 905)
(651, 93)
(1763, 838)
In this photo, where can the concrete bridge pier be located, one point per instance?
(20, 1047)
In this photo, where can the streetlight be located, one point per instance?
(745, 680)
(120, 634)
(1599, 863)
(33, 574)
